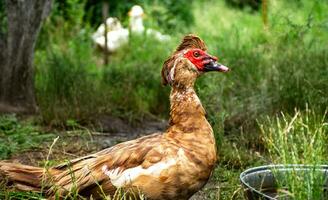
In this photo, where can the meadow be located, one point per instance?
(270, 109)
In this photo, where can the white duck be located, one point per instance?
(136, 24)
(116, 35)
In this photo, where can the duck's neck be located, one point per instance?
(188, 125)
(186, 109)
(136, 25)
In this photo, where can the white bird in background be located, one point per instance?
(136, 24)
(116, 35)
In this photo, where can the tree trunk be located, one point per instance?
(265, 13)
(24, 19)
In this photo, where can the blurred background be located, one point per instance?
(277, 51)
(277, 65)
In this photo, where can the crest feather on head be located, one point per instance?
(191, 41)
(188, 42)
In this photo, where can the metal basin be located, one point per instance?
(262, 182)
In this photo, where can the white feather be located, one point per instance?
(136, 24)
(116, 35)
(123, 178)
(172, 71)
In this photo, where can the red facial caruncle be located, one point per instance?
(203, 61)
(199, 58)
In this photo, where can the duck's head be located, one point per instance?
(136, 11)
(136, 22)
(113, 23)
(189, 61)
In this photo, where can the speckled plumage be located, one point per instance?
(170, 165)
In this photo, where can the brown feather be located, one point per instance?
(191, 41)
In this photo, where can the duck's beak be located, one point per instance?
(211, 64)
(215, 66)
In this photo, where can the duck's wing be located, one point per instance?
(103, 172)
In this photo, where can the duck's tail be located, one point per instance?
(24, 177)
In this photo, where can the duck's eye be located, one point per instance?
(196, 54)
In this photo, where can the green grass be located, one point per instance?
(301, 138)
(276, 69)
(120, 194)
(71, 84)
(134, 78)
(16, 136)
(67, 86)
(7, 195)
(298, 139)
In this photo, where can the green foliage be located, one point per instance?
(242, 4)
(279, 69)
(134, 78)
(298, 139)
(6, 194)
(169, 15)
(301, 138)
(276, 70)
(229, 187)
(16, 137)
(69, 87)
(71, 11)
(117, 8)
(66, 85)
(65, 21)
